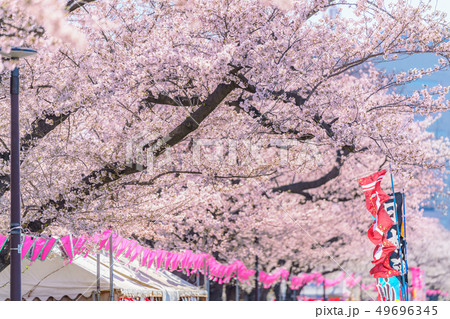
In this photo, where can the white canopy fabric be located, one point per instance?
(57, 278)
(316, 291)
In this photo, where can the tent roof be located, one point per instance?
(57, 278)
(313, 290)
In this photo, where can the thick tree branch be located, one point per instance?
(166, 100)
(264, 121)
(39, 129)
(116, 171)
(301, 187)
(72, 5)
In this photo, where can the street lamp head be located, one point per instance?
(18, 52)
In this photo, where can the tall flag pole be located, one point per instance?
(381, 233)
(404, 238)
(398, 233)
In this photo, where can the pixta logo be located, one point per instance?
(143, 148)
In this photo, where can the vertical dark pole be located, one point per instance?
(398, 235)
(111, 270)
(197, 276)
(256, 279)
(16, 231)
(404, 239)
(237, 285)
(98, 277)
(324, 293)
(207, 281)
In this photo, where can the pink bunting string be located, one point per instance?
(269, 280)
(352, 281)
(299, 281)
(416, 277)
(430, 292)
(186, 261)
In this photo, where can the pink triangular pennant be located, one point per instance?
(38, 248)
(27, 243)
(67, 244)
(48, 248)
(122, 246)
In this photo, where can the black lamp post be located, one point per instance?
(16, 230)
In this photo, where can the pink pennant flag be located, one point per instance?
(104, 238)
(190, 260)
(3, 240)
(74, 242)
(96, 238)
(145, 254)
(67, 244)
(114, 236)
(136, 253)
(131, 248)
(122, 246)
(151, 258)
(230, 270)
(28, 242)
(79, 246)
(186, 256)
(197, 261)
(160, 255)
(116, 242)
(38, 248)
(168, 260)
(48, 248)
(176, 260)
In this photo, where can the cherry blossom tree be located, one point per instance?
(237, 128)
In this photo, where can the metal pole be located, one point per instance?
(98, 277)
(197, 276)
(237, 285)
(207, 281)
(398, 233)
(16, 231)
(324, 292)
(404, 238)
(111, 270)
(256, 279)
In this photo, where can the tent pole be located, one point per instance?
(111, 270)
(197, 278)
(98, 276)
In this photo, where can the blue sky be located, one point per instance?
(442, 126)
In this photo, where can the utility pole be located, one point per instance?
(237, 285)
(15, 223)
(111, 269)
(256, 279)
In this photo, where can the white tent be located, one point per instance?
(314, 291)
(56, 279)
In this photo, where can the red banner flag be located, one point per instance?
(375, 198)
